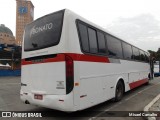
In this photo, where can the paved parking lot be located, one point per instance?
(134, 100)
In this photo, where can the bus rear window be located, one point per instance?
(44, 32)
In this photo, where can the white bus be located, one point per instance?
(71, 64)
(156, 68)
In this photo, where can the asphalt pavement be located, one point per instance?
(134, 100)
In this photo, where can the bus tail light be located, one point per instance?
(38, 97)
(69, 74)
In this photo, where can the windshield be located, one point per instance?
(44, 32)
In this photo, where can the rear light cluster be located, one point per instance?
(69, 74)
(38, 97)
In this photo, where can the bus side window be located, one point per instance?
(101, 42)
(92, 40)
(83, 37)
(147, 58)
(127, 50)
(136, 53)
(142, 55)
(114, 46)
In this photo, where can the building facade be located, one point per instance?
(24, 15)
(6, 36)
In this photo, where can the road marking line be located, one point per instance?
(142, 91)
(130, 97)
(105, 111)
(149, 87)
(112, 107)
(123, 101)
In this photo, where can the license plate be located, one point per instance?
(38, 97)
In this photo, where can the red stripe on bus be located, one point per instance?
(75, 57)
(138, 83)
(89, 58)
(58, 58)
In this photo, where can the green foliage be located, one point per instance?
(155, 55)
(158, 54)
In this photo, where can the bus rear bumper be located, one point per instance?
(57, 102)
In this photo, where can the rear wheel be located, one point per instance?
(119, 91)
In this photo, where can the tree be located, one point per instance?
(158, 55)
(155, 55)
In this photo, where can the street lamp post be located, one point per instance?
(12, 67)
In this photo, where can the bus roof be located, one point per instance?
(89, 22)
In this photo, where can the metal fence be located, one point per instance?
(10, 58)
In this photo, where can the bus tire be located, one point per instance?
(119, 91)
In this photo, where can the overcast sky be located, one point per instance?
(136, 21)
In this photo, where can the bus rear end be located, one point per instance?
(47, 73)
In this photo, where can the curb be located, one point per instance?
(146, 109)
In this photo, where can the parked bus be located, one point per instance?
(71, 64)
(156, 68)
